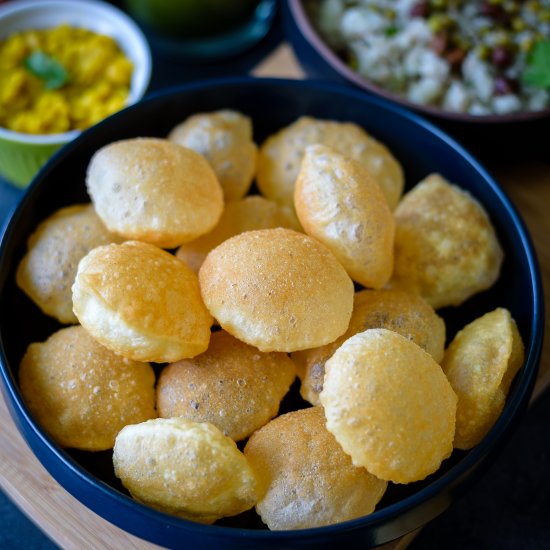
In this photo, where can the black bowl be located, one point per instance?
(511, 135)
(272, 104)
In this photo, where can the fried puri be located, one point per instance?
(141, 302)
(231, 385)
(446, 249)
(277, 290)
(47, 271)
(389, 405)
(480, 363)
(281, 154)
(306, 477)
(81, 393)
(224, 138)
(184, 468)
(253, 212)
(153, 190)
(339, 203)
(406, 314)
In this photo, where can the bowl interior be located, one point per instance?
(272, 104)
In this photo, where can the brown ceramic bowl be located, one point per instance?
(486, 135)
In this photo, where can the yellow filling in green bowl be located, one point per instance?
(60, 79)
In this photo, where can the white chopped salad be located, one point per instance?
(481, 57)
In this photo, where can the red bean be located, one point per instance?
(455, 57)
(505, 86)
(440, 42)
(501, 57)
(420, 9)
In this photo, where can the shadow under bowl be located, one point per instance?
(272, 104)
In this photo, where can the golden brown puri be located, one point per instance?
(277, 290)
(153, 190)
(306, 477)
(47, 271)
(406, 314)
(480, 363)
(389, 405)
(281, 154)
(141, 302)
(81, 393)
(446, 249)
(224, 138)
(232, 385)
(184, 468)
(340, 204)
(253, 212)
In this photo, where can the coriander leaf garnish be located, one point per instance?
(47, 69)
(537, 72)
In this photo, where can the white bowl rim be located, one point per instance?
(103, 10)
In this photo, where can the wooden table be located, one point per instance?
(73, 526)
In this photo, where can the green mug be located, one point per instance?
(191, 18)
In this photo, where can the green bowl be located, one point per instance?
(191, 18)
(22, 155)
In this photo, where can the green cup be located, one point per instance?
(21, 159)
(191, 18)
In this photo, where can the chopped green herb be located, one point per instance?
(537, 72)
(47, 69)
(390, 31)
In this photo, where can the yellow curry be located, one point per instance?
(95, 80)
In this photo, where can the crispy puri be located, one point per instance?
(252, 212)
(153, 190)
(306, 477)
(406, 314)
(81, 393)
(184, 468)
(277, 289)
(281, 154)
(339, 203)
(232, 385)
(389, 405)
(47, 271)
(141, 302)
(446, 248)
(480, 363)
(224, 138)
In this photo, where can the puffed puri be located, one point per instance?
(81, 393)
(231, 385)
(47, 271)
(277, 289)
(153, 190)
(406, 314)
(141, 302)
(224, 138)
(189, 469)
(446, 248)
(339, 202)
(281, 154)
(389, 405)
(306, 479)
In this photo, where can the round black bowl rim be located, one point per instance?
(311, 35)
(516, 401)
